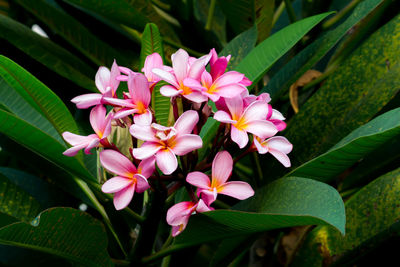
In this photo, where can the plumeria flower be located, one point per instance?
(178, 215)
(106, 83)
(276, 118)
(278, 146)
(220, 172)
(183, 68)
(167, 142)
(128, 179)
(248, 120)
(226, 85)
(101, 125)
(138, 101)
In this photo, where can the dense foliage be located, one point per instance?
(330, 69)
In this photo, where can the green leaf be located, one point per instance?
(16, 202)
(284, 203)
(53, 56)
(372, 216)
(264, 13)
(42, 144)
(63, 232)
(349, 97)
(239, 13)
(309, 56)
(74, 32)
(260, 59)
(351, 148)
(160, 104)
(151, 43)
(29, 99)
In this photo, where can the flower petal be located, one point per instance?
(235, 106)
(231, 77)
(141, 132)
(117, 163)
(147, 167)
(122, 113)
(147, 150)
(166, 161)
(113, 77)
(198, 67)
(139, 89)
(124, 197)
(144, 119)
(180, 64)
(257, 110)
(177, 213)
(166, 76)
(237, 189)
(281, 157)
(221, 168)
(152, 61)
(186, 143)
(196, 97)
(75, 139)
(169, 91)
(141, 183)
(230, 90)
(70, 152)
(261, 128)
(239, 137)
(87, 100)
(280, 143)
(102, 79)
(224, 117)
(208, 196)
(94, 143)
(97, 116)
(199, 180)
(116, 184)
(262, 149)
(186, 122)
(192, 83)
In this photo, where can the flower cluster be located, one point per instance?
(172, 148)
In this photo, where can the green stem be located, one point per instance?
(161, 254)
(258, 167)
(327, 24)
(278, 13)
(290, 11)
(210, 15)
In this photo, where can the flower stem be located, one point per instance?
(210, 15)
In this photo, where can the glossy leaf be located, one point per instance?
(309, 56)
(260, 59)
(151, 43)
(29, 99)
(63, 232)
(17, 203)
(239, 13)
(372, 216)
(284, 203)
(349, 98)
(53, 56)
(352, 148)
(74, 32)
(41, 143)
(264, 13)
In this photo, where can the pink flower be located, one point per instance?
(226, 85)
(101, 125)
(251, 119)
(106, 83)
(166, 142)
(183, 68)
(138, 101)
(278, 146)
(221, 170)
(178, 215)
(128, 179)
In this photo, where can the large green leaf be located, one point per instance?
(352, 148)
(286, 202)
(46, 52)
(372, 216)
(32, 101)
(308, 57)
(260, 59)
(16, 202)
(42, 144)
(63, 232)
(239, 13)
(74, 32)
(350, 97)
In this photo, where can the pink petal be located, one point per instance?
(94, 143)
(186, 143)
(257, 110)
(221, 168)
(166, 76)
(192, 83)
(236, 189)
(262, 149)
(282, 157)
(139, 88)
(124, 197)
(166, 161)
(208, 196)
(144, 119)
(147, 150)
(122, 113)
(230, 77)
(231, 90)
(202, 207)
(113, 77)
(147, 167)
(198, 67)
(97, 116)
(177, 213)
(218, 67)
(246, 82)
(141, 132)
(265, 97)
(169, 91)
(70, 152)
(276, 115)
(280, 143)
(117, 163)
(199, 180)
(141, 183)
(176, 230)
(119, 102)
(179, 64)
(239, 137)
(102, 79)
(224, 117)
(75, 139)
(280, 125)
(261, 128)
(206, 79)
(196, 97)
(106, 127)
(116, 184)
(235, 106)
(87, 100)
(186, 122)
(152, 61)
